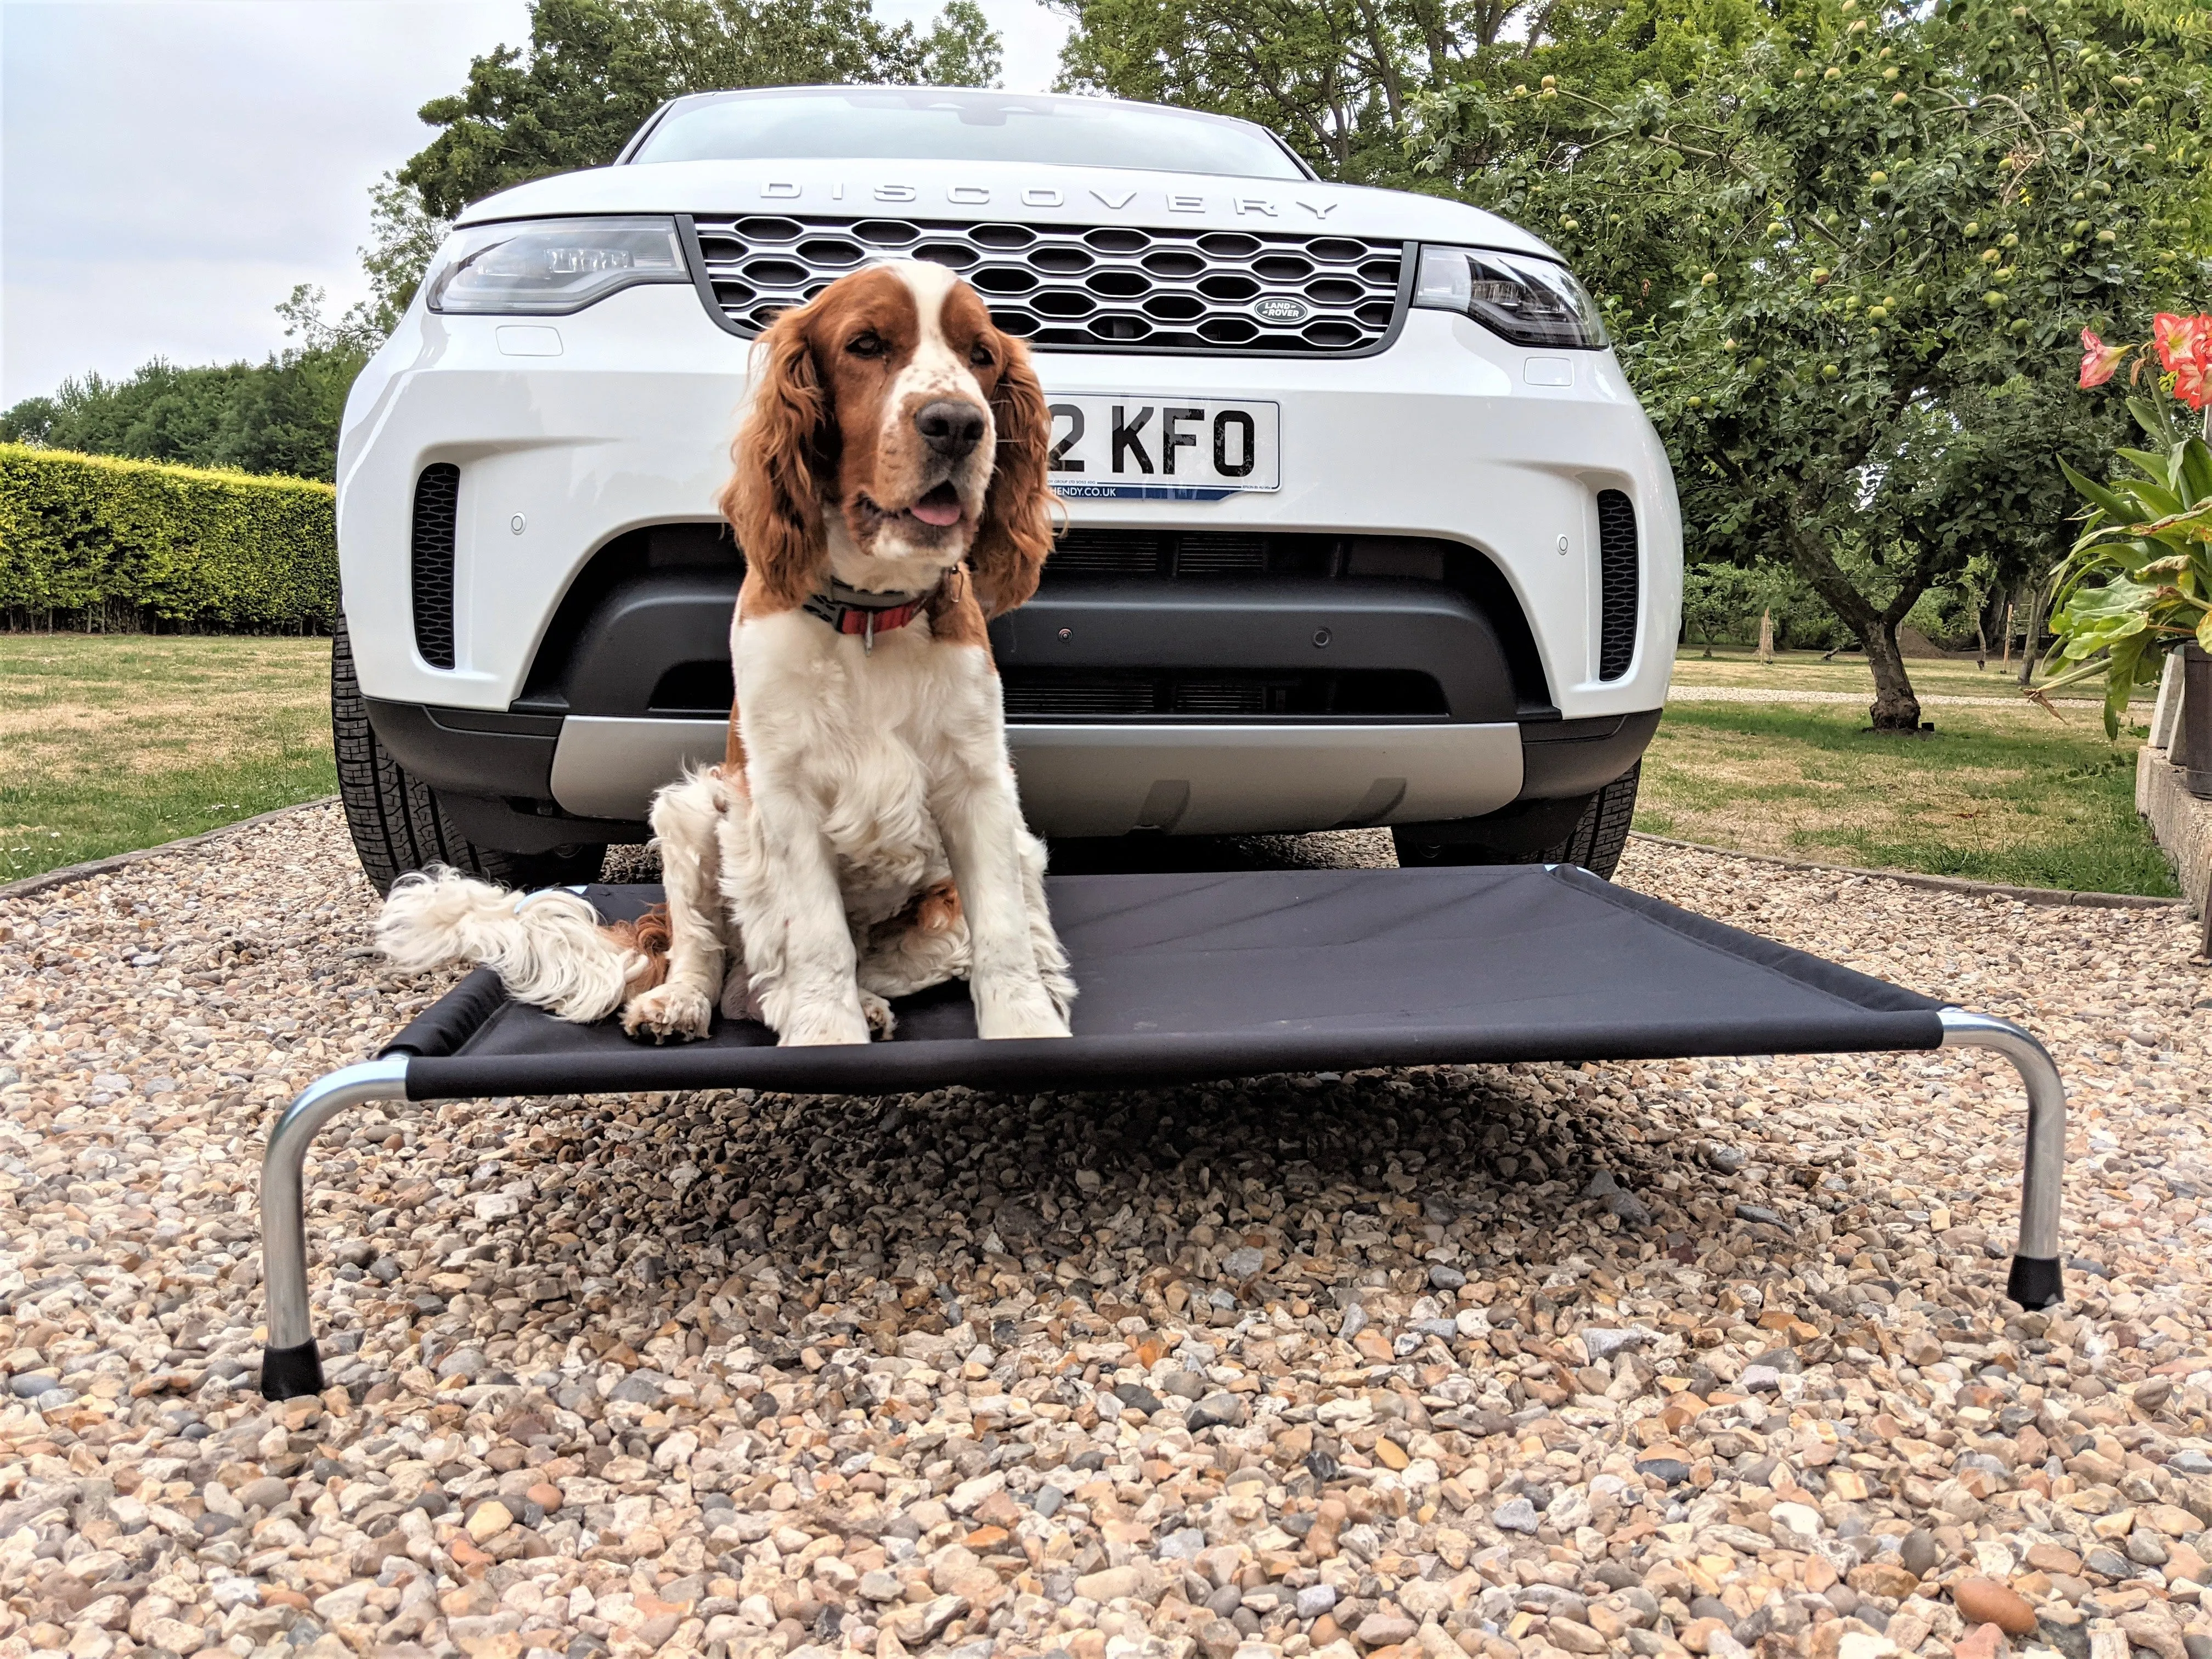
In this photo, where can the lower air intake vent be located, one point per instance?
(437, 496)
(1616, 541)
(1046, 694)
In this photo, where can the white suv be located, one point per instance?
(1366, 526)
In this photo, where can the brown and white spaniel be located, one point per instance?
(862, 839)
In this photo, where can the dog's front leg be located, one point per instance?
(685, 825)
(799, 944)
(981, 824)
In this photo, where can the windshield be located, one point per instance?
(931, 123)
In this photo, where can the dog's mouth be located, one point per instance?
(939, 509)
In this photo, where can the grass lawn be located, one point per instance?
(113, 742)
(2005, 794)
(1806, 670)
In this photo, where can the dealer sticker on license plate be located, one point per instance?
(1161, 449)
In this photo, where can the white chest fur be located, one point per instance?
(869, 738)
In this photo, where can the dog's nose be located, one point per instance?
(950, 429)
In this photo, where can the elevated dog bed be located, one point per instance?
(1188, 978)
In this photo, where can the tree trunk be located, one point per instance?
(2029, 645)
(1895, 708)
(1386, 65)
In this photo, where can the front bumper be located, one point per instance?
(571, 434)
(1450, 434)
(529, 783)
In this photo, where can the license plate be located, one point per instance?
(1162, 449)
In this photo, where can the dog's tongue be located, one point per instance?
(941, 506)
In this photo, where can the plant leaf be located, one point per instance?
(2099, 496)
(2194, 470)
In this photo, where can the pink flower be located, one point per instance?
(2185, 351)
(2192, 381)
(2100, 361)
(2175, 337)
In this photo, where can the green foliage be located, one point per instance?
(1844, 274)
(595, 69)
(277, 416)
(403, 236)
(1722, 604)
(1841, 245)
(90, 536)
(2139, 581)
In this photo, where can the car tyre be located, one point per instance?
(394, 817)
(1596, 842)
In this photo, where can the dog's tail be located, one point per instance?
(549, 949)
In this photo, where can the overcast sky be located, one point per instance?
(170, 168)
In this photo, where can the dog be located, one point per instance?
(861, 839)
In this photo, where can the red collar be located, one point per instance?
(854, 611)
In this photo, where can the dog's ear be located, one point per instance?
(1015, 532)
(773, 500)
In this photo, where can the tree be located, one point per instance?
(278, 416)
(595, 69)
(1842, 246)
(1715, 599)
(403, 238)
(1845, 270)
(1348, 82)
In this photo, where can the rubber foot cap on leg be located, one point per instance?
(291, 1373)
(2035, 1281)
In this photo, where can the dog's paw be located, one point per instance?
(1018, 1011)
(823, 1027)
(882, 1022)
(668, 1010)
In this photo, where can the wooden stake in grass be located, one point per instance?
(1766, 635)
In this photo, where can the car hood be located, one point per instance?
(966, 191)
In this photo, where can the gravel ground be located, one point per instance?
(1707, 1356)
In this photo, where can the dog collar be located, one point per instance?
(856, 610)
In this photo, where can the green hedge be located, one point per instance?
(86, 537)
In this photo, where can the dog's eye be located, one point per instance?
(979, 356)
(866, 345)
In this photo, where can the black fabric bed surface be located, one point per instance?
(1184, 977)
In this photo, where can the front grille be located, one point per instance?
(1088, 694)
(1107, 287)
(1616, 542)
(437, 499)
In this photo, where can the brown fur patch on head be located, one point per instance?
(820, 442)
(1015, 535)
(774, 498)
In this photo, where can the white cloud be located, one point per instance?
(170, 168)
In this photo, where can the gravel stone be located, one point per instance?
(799, 1376)
(1515, 1515)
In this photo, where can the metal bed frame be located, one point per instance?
(292, 1365)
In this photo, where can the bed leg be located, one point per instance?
(2035, 1280)
(290, 1366)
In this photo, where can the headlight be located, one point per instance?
(547, 267)
(1530, 302)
